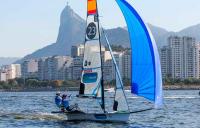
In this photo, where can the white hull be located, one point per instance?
(107, 117)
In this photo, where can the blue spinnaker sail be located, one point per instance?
(146, 80)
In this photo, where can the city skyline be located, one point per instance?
(36, 23)
(179, 60)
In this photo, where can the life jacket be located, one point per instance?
(58, 101)
(65, 102)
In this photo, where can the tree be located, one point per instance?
(126, 82)
(32, 83)
(20, 81)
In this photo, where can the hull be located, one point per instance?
(107, 117)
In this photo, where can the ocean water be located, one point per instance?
(33, 110)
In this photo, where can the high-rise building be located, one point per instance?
(77, 50)
(180, 59)
(64, 72)
(18, 72)
(199, 58)
(126, 64)
(109, 69)
(68, 73)
(10, 72)
(165, 61)
(57, 64)
(66, 68)
(53, 68)
(118, 58)
(77, 68)
(3, 76)
(41, 68)
(30, 68)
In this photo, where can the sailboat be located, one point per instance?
(146, 80)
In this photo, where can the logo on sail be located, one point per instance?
(91, 30)
(90, 77)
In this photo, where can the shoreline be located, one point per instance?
(182, 87)
(40, 89)
(166, 87)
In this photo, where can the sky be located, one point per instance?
(28, 25)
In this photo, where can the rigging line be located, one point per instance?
(47, 100)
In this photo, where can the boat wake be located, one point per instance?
(182, 97)
(32, 116)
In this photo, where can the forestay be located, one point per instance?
(120, 102)
(146, 72)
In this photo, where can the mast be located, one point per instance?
(102, 80)
(92, 74)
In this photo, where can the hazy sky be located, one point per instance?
(27, 25)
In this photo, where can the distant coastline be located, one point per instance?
(166, 87)
(182, 87)
(179, 87)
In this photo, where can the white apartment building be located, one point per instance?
(41, 68)
(3, 76)
(68, 68)
(126, 64)
(164, 60)
(77, 68)
(53, 68)
(30, 68)
(77, 50)
(180, 59)
(64, 72)
(10, 72)
(109, 70)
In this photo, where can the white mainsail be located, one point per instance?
(92, 65)
(91, 80)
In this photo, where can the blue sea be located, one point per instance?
(33, 110)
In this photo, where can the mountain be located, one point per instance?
(8, 60)
(117, 36)
(160, 35)
(193, 31)
(72, 32)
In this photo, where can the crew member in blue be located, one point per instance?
(65, 102)
(58, 100)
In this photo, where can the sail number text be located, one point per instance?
(91, 31)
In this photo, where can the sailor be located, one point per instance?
(58, 100)
(115, 105)
(65, 102)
